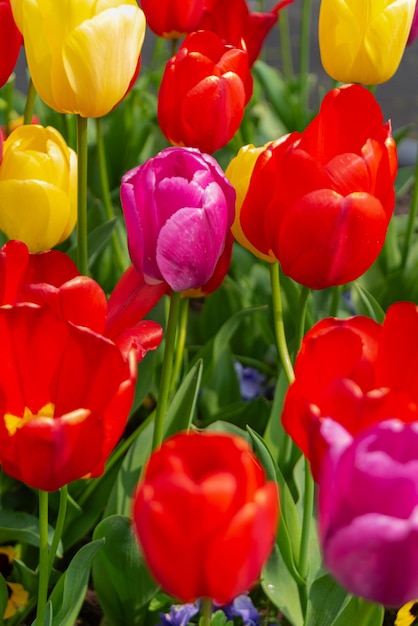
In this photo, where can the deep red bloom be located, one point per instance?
(206, 80)
(10, 41)
(205, 516)
(234, 23)
(355, 372)
(172, 18)
(320, 202)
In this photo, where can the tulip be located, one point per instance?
(81, 55)
(205, 516)
(38, 187)
(65, 396)
(355, 372)
(205, 80)
(363, 41)
(234, 23)
(178, 208)
(10, 41)
(368, 503)
(172, 19)
(320, 202)
(52, 278)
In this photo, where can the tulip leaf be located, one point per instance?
(327, 600)
(22, 527)
(289, 534)
(366, 304)
(97, 240)
(120, 576)
(69, 593)
(4, 597)
(179, 416)
(281, 588)
(361, 613)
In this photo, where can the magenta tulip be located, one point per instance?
(178, 208)
(368, 510)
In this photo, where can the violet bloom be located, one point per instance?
(178, 208)
(368, 510)
(179, 614)
(243, 608)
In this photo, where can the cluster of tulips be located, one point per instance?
(316, 202)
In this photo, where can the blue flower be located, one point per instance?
(179, 615)
(250, 380)
(243, 607)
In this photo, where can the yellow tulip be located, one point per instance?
(362, 41)
(38, 187)
(239, 172)
(81, 54)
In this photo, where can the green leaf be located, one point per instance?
(361, 613)
(97, 240)
(366, 304)
(22, 527)
(121, 579)
(180, 413)
(281, 588)
(327, 600)
(69, 593)
(4, 597)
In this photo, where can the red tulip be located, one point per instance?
(52, 278)
(234, 23)
(172, 18)
(356, 373)
(10, 41)
(320, 202)
(205, 516)
(205, 80)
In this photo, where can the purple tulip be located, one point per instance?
(413, 33)
(368, 510)
(178, 208)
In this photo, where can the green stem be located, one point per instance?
(206, 611)
(300, 325)
(30, 103)
(279, 323)
(82, 158)
(285, 44)
(43, 558)
(181, 340)
(59, 526)
(308, 503)
(411, 218)
(107, 202)
(335, 300)
(167, 368)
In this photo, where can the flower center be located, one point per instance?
(14, 423)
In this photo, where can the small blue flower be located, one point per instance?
(179, 615)
(250, 380)
(243, 607)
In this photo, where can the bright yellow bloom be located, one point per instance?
(408, 614)
(82, 54)
(38, 187)
(239, 172)
(362, 41)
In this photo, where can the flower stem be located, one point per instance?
(411, 218)
(82, 157)
(181, 340)
(301, 317)
(304, 62)
(30, 103)
(107, 202)
(279, 323)
(167, 368)
(285, 45)
(59, 526)
(308, 502)
(206, 611)
(43, 558)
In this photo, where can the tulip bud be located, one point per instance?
(205, 80)
(368, 503)
(363, 41)
(38, 187)
(178, 208)
(205, 516)
(81, 55)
